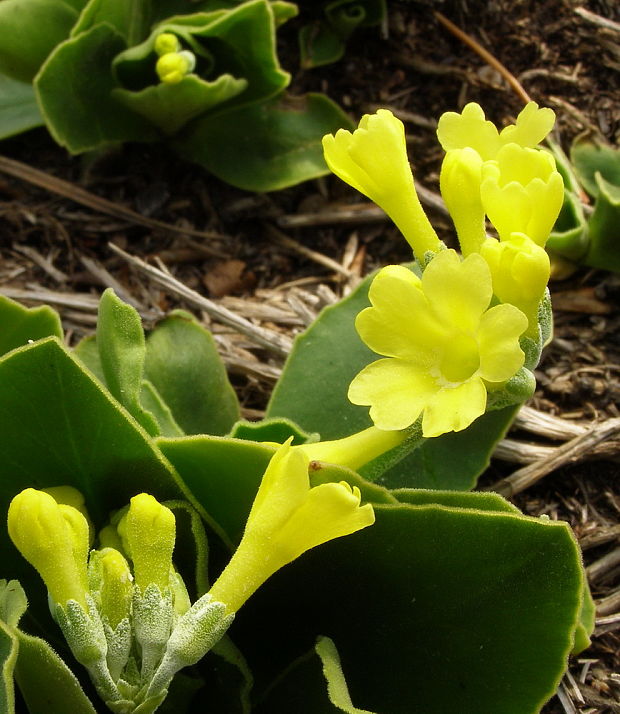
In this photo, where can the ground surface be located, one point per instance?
(254, 257)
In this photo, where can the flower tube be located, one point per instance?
(288, 517)
(373, 159)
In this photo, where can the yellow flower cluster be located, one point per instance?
(445, 344)
(173, 63)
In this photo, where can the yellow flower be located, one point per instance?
(522, 192)
(148, 532)
(172, 67)
(373, 159)
(471, 129)
(520, 271)
(442, 345)
(53, 538)
(287, 519)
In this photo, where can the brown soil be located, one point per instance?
(252, 257)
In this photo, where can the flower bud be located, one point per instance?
(165, 43)
(54, 539)
(148, 534)
(172, 67)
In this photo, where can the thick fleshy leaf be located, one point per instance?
(265, 146)
(183, 364)
(22, 325)
(30, 29)
(569, 237)
(604, 249)
(315, 683)
(74, 90)
(170, 106)
(45, 681)
(8, 657)
(122, 350)
(19, 110)
(590, 157)
(274, 430)
(451, 461)
(458, 608)
(223, 475)
(130, 18)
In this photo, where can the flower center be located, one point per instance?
(461, 359)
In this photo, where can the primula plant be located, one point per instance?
(586, 232)
(204, 77)
(329, 558)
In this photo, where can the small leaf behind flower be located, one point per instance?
(265, 146)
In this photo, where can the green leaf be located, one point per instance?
(569, 237)
(240, 41)
(45, 681)
(13, 602)
(453, 499)
(183, 364)
(30, 29)
(323, 42)
(433, 609)
(8, 657)
(589, 157)
(223, 475)
(122, 350)
(319, 44)
(454, 460)
(332, 349)
(47, 685)
(60, 427)
(22, 325)
(265, 146)
(275, 430)
(604, 250)
(128, 17)
(318, 678)
(74, 91)
(19, 110)
(170, 106)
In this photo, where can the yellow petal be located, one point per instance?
(547, 199)
(399, 324)
(458, 291)
(373, 159)
(454, 409)
(532, 126)
(331, 510)
(395, 390)
(498, 338)
(508, 207)
(282, 489)
(468, 129)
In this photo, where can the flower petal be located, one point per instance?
(331, 510)
(458, 291)
(399, 324)
(498, 338)
(396, 391)
(454, 409)
(283, 487)
(457, 131)
(532, 126)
